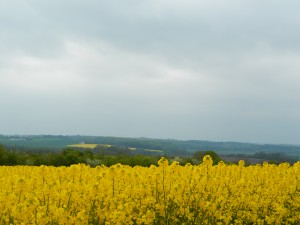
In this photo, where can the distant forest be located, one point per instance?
(232, 151)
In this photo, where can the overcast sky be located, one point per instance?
(183, 69)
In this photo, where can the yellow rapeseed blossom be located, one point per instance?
(163, 194)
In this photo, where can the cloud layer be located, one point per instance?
(169, 69)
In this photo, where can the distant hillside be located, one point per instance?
(168, 146)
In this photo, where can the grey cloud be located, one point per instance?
(142, 25)
(181, 69)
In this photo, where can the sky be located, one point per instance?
(194, 69)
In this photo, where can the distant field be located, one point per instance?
(153, 150)
(143, 145)
(91, 146)
(105, 145)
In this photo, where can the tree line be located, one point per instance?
(70, 156)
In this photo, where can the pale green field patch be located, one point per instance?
(153, 150)
(91, 146)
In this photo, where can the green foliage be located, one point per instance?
(200, 154)
(2, 154)
(50, 143)
(71, 156)
(272, 157)
(112, 155)
(10, 158)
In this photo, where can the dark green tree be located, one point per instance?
(200, 154)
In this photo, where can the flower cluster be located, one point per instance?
(164, 194)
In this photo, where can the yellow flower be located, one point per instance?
(167, 194)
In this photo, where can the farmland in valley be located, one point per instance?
(231, 151)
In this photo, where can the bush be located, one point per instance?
(200, 154)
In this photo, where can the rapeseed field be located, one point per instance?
(163, 194)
